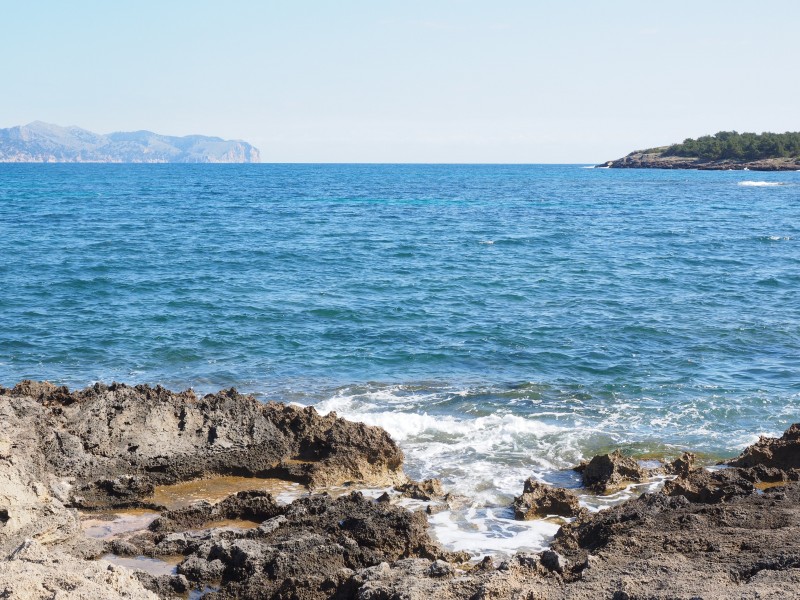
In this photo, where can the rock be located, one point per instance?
(200, 570)
(709, 487)
(656, 160)
(122, 492)
(173, 587)
(707, 535)
(272, 524)
(440, 568)
(35, 572)
(411, 579)
(122, 548)
(252, 505)
(687, 549)
(681, 466)
(782, 453)
(117, 441)
(313, 548)
(429, 489)
(539, 500)
(608, 471)
(28, 510)
(553, 561)
(107, 446)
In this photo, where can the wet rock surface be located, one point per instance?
(541, 500)
(781, 453)
(312, 548)
(727, 533)
(246, 506)
(681, 466)
(608, 471)
(429, 489)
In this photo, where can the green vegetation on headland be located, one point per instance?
(738, 146)
(722, 151)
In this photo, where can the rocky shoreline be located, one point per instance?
(654, 160)
(731, 532)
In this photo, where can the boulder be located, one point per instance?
(429, 489)
(608, 471)
(541, 500)
(782, 453)
(681, 466)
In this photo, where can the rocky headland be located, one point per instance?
(43, 142)
(730, 532)
(658, 160)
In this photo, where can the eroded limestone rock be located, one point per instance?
(540, 500)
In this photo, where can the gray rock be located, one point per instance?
(35, 571)
(553, 561)
(429, 489)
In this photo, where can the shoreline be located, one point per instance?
(643, 160)
(111, 448)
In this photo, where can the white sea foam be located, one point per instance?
(486, 456)
(491, 531)
(483, 458)
(761, 183)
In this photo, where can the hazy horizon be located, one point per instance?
(450, 83)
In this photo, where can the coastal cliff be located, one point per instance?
(42, 142)
(706, 534)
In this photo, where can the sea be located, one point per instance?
(500, 321)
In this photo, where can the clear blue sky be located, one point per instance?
(407, 81)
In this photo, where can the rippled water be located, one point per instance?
(499, 321)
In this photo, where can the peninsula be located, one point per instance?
(720, 152)
(43, 142)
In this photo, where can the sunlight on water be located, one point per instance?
(500, 322)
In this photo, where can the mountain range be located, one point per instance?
(44, 142)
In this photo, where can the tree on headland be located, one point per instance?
(739, 146)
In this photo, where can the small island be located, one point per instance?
(722, 151)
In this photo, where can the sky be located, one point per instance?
(407, 81)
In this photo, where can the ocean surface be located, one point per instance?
(499, 321)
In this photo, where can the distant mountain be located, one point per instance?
(43, 142)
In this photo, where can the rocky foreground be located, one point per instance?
(656, 160)
(730, 533)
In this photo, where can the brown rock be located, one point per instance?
(607, 471)
(429, 489)
(681, 466)
(708, 487)
(782, 453)
(541, 500)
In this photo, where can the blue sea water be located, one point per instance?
(497, 320)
